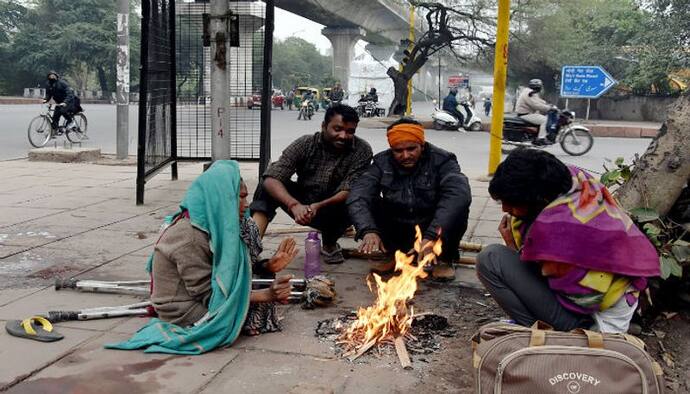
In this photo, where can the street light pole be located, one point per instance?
(500, 70)
(218, 26)
(122, 89)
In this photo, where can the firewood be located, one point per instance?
(289, 230)
(470, 246)
(403, 356)
(467, 260)
(363, 349)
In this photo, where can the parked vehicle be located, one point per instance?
(278, 99)
(574, 139)
(326, 98)
(41, 129)
(444, 120)
(254, 101)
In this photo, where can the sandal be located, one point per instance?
(36, 327)
(334, 257)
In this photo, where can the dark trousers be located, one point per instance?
(401, 236)
(522, 292)
(331, 221)
(57, 113)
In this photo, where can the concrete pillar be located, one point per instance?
(122, 114)
(343, 40)
(380, 52)
(220, 103)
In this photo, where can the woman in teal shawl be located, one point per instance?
(201, 271)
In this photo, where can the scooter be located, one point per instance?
(444, 120)
(574, 139)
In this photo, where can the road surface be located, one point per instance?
(471, 148)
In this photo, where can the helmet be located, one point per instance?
(535, 84)
(51, 72)
(453, 91)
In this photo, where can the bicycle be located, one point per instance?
(41, 130)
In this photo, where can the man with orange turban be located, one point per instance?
(412, 183)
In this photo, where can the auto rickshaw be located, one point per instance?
(326, 97)
(299, 92)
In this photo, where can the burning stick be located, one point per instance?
(390, 319)
(403, 356)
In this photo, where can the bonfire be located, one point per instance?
(389, 319)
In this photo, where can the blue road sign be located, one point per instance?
(585, 82)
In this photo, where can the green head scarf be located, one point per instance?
(212, 201)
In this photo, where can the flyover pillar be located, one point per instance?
(343, 40)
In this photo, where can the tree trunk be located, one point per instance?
(400, 79)
(102, 80)
(399, 102)
(663, 171)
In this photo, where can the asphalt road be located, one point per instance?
(472, 149)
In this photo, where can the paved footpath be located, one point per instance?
(81, 220)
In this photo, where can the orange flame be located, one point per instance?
(389, 317)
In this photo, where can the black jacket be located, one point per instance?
(435, 194)
(60, 92)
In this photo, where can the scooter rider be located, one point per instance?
(530, 104)
(450, 104)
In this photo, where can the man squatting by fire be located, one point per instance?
(412, 183)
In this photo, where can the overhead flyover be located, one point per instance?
(381, 23)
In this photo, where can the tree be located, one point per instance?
(298, 62)
(664, 48)
(663, 171)
(75, 38)
(459, 26)
(12, 13)
(547, 34)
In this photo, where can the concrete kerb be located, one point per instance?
(619, 129)
(65, 155)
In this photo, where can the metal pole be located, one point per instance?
(500, 69)
(220, 139)
(265, 150)
(122, 88)
(143, 101)
(408, 104)
(439, 79)
(566, 103)
(587, 116)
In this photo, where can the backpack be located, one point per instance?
(509, 358)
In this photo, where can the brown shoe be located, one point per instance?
(383, 266)
(443, 272)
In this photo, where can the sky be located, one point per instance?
(288, 24)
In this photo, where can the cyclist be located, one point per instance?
(64, 97)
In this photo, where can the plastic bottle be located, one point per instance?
(312, 255)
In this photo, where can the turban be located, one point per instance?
(406, 132)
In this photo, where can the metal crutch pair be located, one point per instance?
(134, 287)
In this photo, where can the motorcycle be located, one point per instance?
(444, 120)
(368, 109)
(574, 139)
(306, 110)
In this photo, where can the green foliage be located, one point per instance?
(298, 62)
(75, 38)
(618, 175)
(639, 45)
(666, 236)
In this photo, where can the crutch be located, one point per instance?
(138, 287)
(105, 312)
